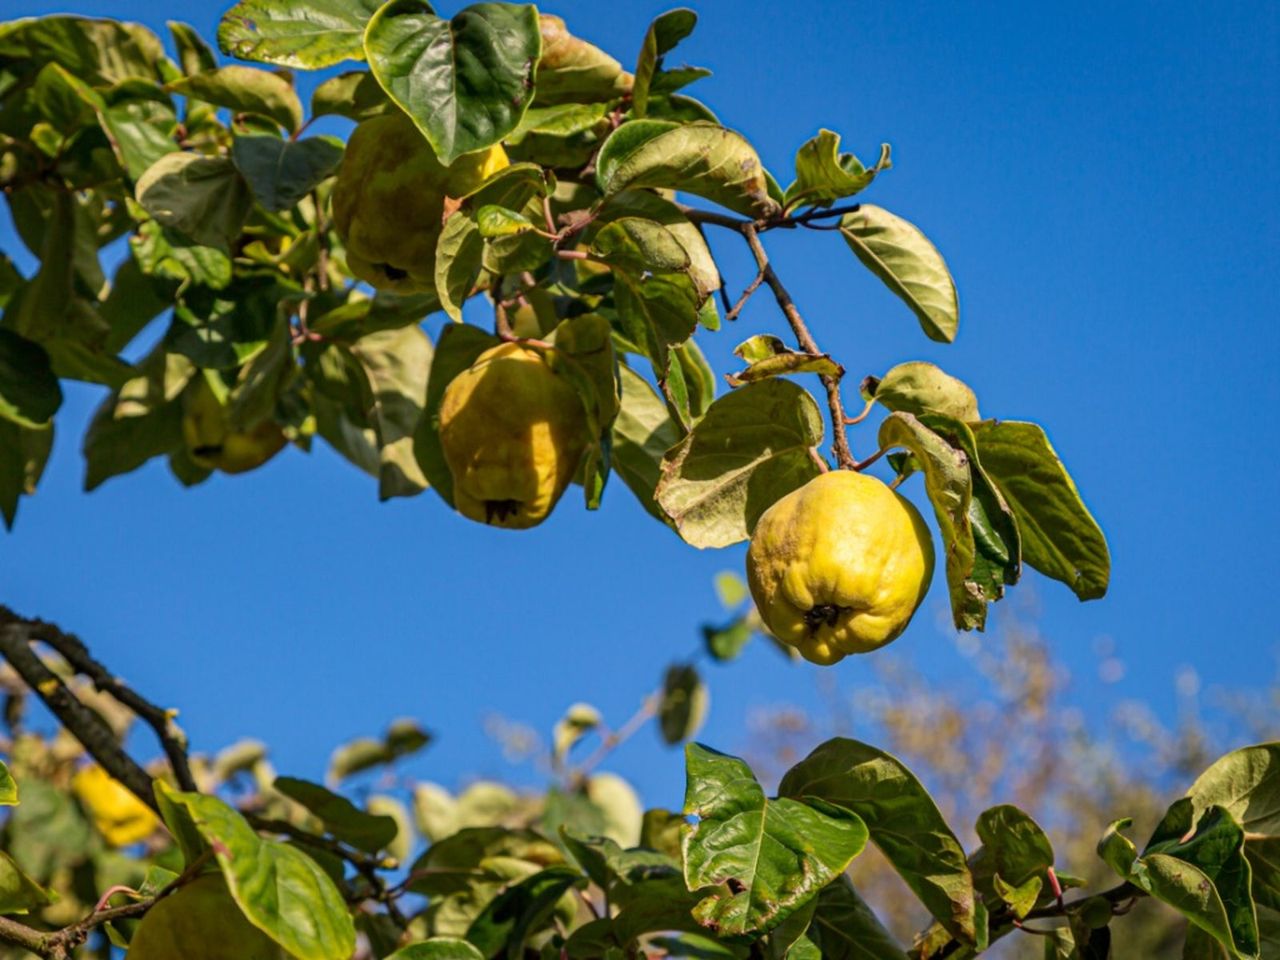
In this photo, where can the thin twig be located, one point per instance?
(839, 439)
(752, 287)
(86, 726)
(172, 740)
(648, 709)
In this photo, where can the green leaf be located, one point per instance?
(1014, 856)
(221, 329)
(584, 356)
(699, 378)
(1060, 538)
(901, 256)
(948, 484)
(438, 948)
(194, 55)
(574, 71)
(245, 90)
(281, 890)
(845, 928)
(18, 892)
(459, 260)
(141, 121)
(395, 364)
(8, 788)
(651, 206)
(495, 221)
(904, 822)
(520, 911)
(1185, 886)
(467, 81)
(824, 174)
(29, 391)
(636, 245)
(99, 52)
(402, 739)
(301, 33)
(701, 158)
(578, 721)
(1246, 783)
(753, 446)
(140, 420)
(997, 560)
(642, 434)
(1213, 843)
(342, 819)
(919, 388)
(1020, 899)
(773, 855)
(767, 356)
(667, 30)
(204, 198)
(683, 705)
(166, 255)
(725, 643)
(282, 172)
(355, 95)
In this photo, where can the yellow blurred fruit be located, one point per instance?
(839, 565)
(513, 432)
(201, 921)
(120, 817)
(389, 201)
(211, 441)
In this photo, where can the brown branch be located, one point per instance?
(172, 740)
(752, 287)
(611, 741)
(839, 439)
(16, 637)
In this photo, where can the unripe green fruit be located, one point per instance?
(211, 442)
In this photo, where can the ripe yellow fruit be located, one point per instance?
(201, 922)
(212, 443)
(839, 565)
(513, 432)
(389, 201)
(120, 817)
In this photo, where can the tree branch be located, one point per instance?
(172, 740)
(839, 438)
(16, 637)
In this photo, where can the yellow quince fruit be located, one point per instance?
(201, 921)
(839, 565)
(120, 817)
(210, 439)
(513, 432)
(389, 201)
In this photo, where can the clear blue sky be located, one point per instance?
(1101, 179)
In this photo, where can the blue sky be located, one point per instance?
(1100, 178)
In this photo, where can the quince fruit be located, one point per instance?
(513, 431)
(201, 921)
(213, 443)
(389, 201)
(120, 817)
(839, 566)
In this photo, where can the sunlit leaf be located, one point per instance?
(467, 81)
(752, 447)
(908, 264)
